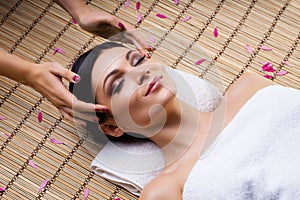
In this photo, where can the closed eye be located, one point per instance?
(139, 61)
(118, 86)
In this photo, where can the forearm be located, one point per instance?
(73, 7)
(14, 67)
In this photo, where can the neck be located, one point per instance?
(184, 127)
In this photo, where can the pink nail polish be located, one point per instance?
(76, 78)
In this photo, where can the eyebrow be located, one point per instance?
(115, 71)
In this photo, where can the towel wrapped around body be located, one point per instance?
(257, 156)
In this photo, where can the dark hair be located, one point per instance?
(83, 66)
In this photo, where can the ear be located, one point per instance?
(110, 127)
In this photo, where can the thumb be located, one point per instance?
(58, 70)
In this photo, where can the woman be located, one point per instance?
(141, 97)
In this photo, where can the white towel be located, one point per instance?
(133, 164)
(257, 156)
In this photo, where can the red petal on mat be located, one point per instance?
(152, 39)
(55, 141)
(6, 135)
(40, 116)
(2, 118)
(139, 18)
(186, 18)
(176, 2)
(268, 76)
(85, 193)
(266, 48)
(74, 21)
(137, 6)
(117, 198)
(249, 49)
(200, 61)
(281, 73)
(216, 32)
(285, 62)
(127, 3)
(121, 25)
(58, 50)
(43, 184)
(2, 189)
(268, 67)
(161, 16)
(31, 163)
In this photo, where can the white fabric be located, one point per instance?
(130, 164)
(257, 156)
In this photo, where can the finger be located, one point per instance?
(70, 118)
(60, 71)
(82, 106)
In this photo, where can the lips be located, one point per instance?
(153, 85)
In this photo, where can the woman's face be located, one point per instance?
(137, 91)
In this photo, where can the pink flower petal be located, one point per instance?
(121, 25)
(268, 67)
(139, 18)
(266, 48)
(43, 184)
(249, 49)
(2, 189)
(281, 73)
(58, 50)
(186, 18)
(55, 141)
(127, 3)
(137, 6)
(176, 2)
(74, 21)
(200, 61)
(161, 16)
(268, 76)
(40, 116)
(285, 62)
(86, 193)
(216, 33)
(2, 118)
(152, 39)
(6, 135)
(117, 198)
(31, 163)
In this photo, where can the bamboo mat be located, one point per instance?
(31, 29)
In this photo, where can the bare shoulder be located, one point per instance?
(164, 186)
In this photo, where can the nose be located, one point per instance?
(139, 75)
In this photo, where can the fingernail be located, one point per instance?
(102, 109)
(76, 78)
(121, 25)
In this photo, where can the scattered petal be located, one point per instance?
(285, 62)
(268, 76)
(121, 25)
(266, 48)
(2, 189)
(40, 116)
(74, 21)
(127, 3)
(55, 141)
(216, 33)
(268, 67)
(281, 73)
(58, 50)
(152, 39)
(200, 61)
(176, 2)
(139, 18)
(161, 16)
(6, 135)
(249, 49)
(186, 18)
(43, 184)
(117, 198)
(2, 118)
(31, 163)
(137, 6)
(86, 193)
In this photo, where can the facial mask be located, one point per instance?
(194, 91)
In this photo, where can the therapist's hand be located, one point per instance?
(46, 78)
